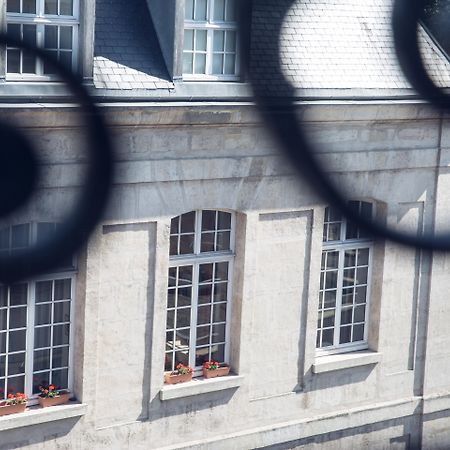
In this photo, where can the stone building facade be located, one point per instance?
(153, 287)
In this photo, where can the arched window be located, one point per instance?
(199, 288)
(344, 282)
(36, 318)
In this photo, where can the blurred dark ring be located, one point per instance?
(75, 230)
(280, 114)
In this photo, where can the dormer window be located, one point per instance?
(210, 50)
(48, 24)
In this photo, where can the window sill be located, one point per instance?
(329, 363)
(200, 386)
(36, 415)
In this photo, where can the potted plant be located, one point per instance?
(51, 396)
(13, 404)
(181, 374)
(212, 369)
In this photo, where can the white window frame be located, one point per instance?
(341, 246)
(210, 26)
(40, 19)
(195, 260)
(30, 326)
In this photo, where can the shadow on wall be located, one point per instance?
(124, 34)
(40, 434)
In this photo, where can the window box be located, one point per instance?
(6, 409)
(222, 371)
(53, 401)
(176, 378)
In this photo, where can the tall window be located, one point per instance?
(210, 40)
(344, 282)
(36, 318)
(49, 24)
(199, 288)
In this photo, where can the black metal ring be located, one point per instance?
(75, 230)
(280, 114)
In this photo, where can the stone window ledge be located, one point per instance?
(328, 363)
(200, 386)
(36, 415)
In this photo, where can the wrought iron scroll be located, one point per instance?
(92, 199)
(280, 111)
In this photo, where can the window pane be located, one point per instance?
(16, 364)
(219, 41)
(345, 333)
(40, 379)
(200, 10)
(349, 277)
(3, 319)
(347, 296)
(182, 357)
(184, 275)
(13, 6)
(60, 378)
(63, 289)
(220, 292)
(332, 260)
(18, 294)
(51, 37)
(66, 7)
(206, 273)
(218, 334)
(61, 334)
(189, 10)
(200, 64)
(363, 257)
(13, 61)
(16, 384)
(358, 333)
(44, 291)
(218, 353)
(200, 41)
(208, 220)
(65, 38)
(360, 312)
(186, 244)
(183, 317)
(61, 312)
(168, 362)
(173, 245)
(361, 294)
(171, 298)
(346, 316)
(334, 232)
(3, 342)
(170, 319)
(28, 62)
(204, 314)
(203, 335)
(41, 360)
(41, 337)
(17, 318)
(51, 7)
(201, 355)
(230, 67)
(188, 63)
(184, 298)
(331, 279)
(207, 242)
(14, 32)
(361, 275)
(221, 272)
(230, 14)
(330, 299)
(60, 357)
(223, 241)
(49, 68)
(182, 339)
(29, 6)
(328, 318)
(220, 312)
(2, 372)
(3, 296)
(174, 224)
(188, 222)
(17, 341)
(223, 221)
(350, 258)
(219, 10)
(188, 41)
(217, 68)
(204, 293)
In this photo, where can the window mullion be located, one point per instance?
(194, 306)
(337, 317)
(29, 355)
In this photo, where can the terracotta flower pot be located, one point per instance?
(220, 372)
(174, 379)
(47, 401)
(12, 409)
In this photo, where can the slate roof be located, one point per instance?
(325, 45)
(126, 53)
(336, 44)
